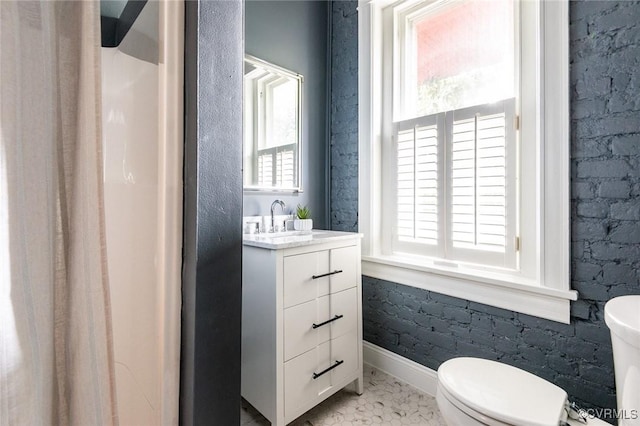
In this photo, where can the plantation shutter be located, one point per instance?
(478, 182)
(284, 168)
(455, 187)
(481, 181)
(276, 166)
(265, 169)
(418, 148)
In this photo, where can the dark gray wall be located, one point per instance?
(430, 328)
(212, 288)
(344, 116)
(293, 34)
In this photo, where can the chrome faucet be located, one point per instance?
(282, 205)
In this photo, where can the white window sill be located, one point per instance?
(502, 291)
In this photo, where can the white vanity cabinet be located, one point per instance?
(301, 321)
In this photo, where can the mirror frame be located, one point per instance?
(300, 79)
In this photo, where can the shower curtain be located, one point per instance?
(56, 362)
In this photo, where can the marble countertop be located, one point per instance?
(282, 240)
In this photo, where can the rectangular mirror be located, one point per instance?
(272, 127)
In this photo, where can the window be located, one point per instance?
(464, 149)
(455, 185)
(278, 97)
(452, 54)
(452, 130)
(275, 100)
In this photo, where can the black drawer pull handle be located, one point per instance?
(315, 277)
(337, 317)
(316, 375)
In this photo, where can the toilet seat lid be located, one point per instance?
(502, 392)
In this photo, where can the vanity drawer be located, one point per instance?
(334, 270)
(299, 270)
(344, 303)
(299, 334)
(300, 386)
(344, 259)
(341, 309)
(344, 348)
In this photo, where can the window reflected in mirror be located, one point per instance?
(272, 127)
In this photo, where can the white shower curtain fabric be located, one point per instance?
(56, 358)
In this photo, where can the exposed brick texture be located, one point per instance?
(430, 328)
(344, 116)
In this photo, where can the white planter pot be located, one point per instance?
(303, 224)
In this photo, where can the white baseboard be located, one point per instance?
(417, 375)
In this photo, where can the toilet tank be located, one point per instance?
(622, 315)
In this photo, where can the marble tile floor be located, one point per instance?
(385, 401)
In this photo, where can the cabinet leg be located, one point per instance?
(279, 421)
(356, 386)
(359, 385)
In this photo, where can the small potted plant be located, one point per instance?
(303, 222)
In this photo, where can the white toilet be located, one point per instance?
(474, 391)
(622, 315)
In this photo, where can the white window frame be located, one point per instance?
(542, 285)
